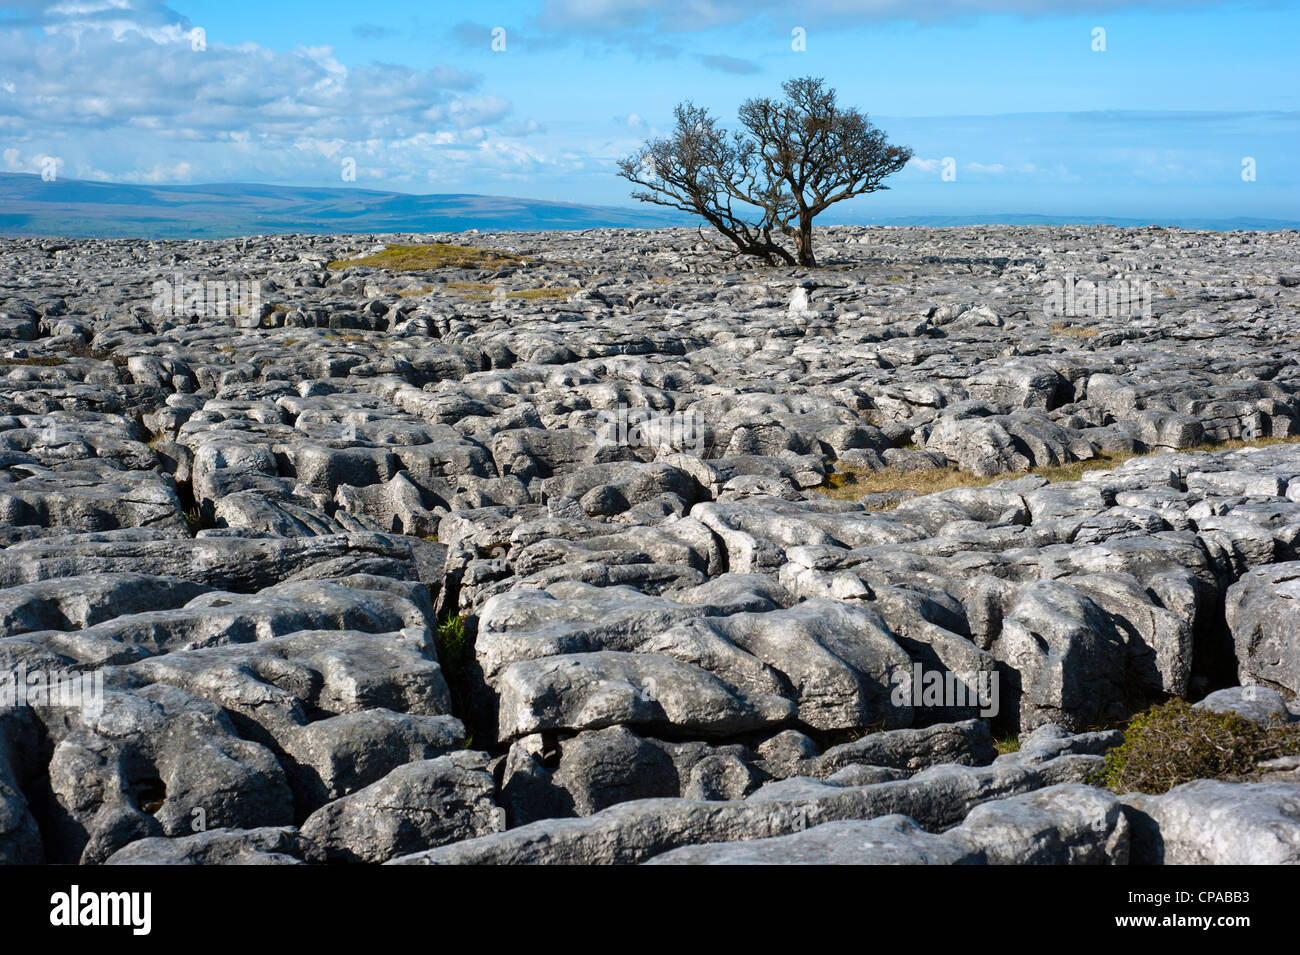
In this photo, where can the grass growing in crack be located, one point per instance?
(437, 255)
(80, 349)
(39, 361)
(482, 292)
(829, 738)
(451, 641)
(1007, 744)
(532, 294)
(193, 519)
(1074, 331)
(853, 484)
(466, 286)
(1175, 743)
(455, 653)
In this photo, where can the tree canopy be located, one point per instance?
(791, 159)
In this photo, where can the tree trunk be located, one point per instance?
(804, 243)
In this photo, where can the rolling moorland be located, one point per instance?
(80, 209)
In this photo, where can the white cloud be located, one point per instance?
(118, 88)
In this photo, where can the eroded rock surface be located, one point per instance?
(250, 531)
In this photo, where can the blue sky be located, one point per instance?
(1032, 117)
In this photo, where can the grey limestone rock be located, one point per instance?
(681, 627)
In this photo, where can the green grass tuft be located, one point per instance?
(1007, 744)
(437, 255)
(451, 641)
(193, 519)
(852, 484)
(39, 361)
(455, 656)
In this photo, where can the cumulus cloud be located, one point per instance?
(123, 90)
(38, 163)
(118, 16)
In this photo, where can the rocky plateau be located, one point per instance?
(555, 557)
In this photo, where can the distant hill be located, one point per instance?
(76, 209)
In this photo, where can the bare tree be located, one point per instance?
(791, 160)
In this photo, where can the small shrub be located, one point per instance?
(1175, 743)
